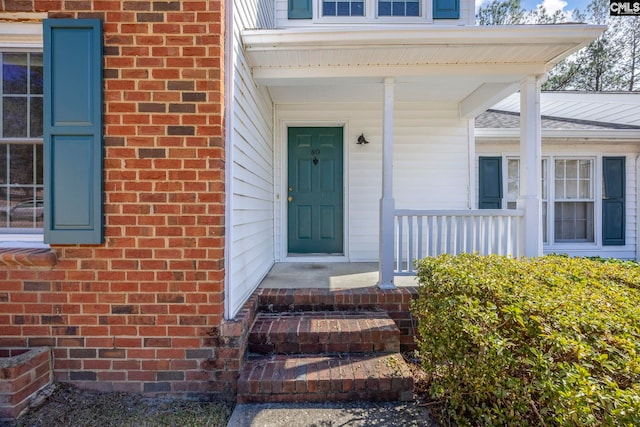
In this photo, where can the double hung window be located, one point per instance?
(21, 155)
(573, 201)
(573, 204)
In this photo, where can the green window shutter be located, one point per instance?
(446, 9)
(300, 9)
(613, 201)
(490, 188)
(73, 131)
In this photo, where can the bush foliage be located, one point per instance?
(543, 341)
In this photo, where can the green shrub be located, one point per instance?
(543, 341)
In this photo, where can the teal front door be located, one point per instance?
(315, 193)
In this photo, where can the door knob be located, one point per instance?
(290, 199)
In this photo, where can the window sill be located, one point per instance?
(29, 257)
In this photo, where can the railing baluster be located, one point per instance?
(420, 251)
(398, 250)
(411, 242)
(431, 233)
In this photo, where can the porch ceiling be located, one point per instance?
(430, 64)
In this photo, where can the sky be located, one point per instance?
(550, 5)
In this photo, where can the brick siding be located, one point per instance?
(140, 312)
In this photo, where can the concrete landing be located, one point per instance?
(327, 275)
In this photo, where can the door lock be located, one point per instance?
(290, 188)
(290, 199)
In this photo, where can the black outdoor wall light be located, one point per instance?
(362, 140)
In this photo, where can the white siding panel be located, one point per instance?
(597, 150)
(430, 162)
(250, 224)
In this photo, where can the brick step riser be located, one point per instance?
(312, 379)
(332, 397)
(301, 347)
(360, 299)
(312, 333)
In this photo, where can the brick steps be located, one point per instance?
(324, 356)
(324, 332)
(318, 378)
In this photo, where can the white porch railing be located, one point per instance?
(419, 234)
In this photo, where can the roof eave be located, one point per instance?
(487, 135)
(318, 38)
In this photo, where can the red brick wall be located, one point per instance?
(143, 311)
(23, 373)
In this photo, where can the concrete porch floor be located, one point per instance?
(327, 275)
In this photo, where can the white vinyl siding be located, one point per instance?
(431, 167)
(595, 150)
(250, 223)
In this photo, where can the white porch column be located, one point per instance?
(530, 167)
(387, 204)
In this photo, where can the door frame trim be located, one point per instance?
(280, 205)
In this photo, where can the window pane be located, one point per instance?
(21, 164)
(14, 117)
(513, 182)
(585, 189)
(559, 189)
(329, 8)
(544, 179)
(27, 212)
(571, 168)
(14, 73)
(413, 8)
(3, 166)
(36, 76)
(35, 113)
(585, 169)
(571, 186)
(343, 8)
(398, 8)
(544, 222)
(357, 8)
(39, 164)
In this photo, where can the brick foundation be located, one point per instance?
(23, 373)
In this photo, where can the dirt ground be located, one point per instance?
(68, 406)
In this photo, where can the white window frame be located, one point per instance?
(371, 15)
(596, 179)
(21, 37)
(596, 183)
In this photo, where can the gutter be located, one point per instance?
(341, 37)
